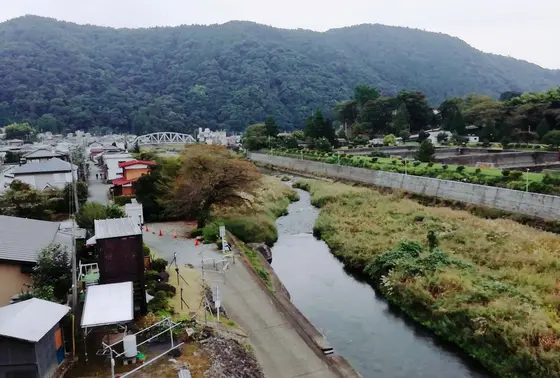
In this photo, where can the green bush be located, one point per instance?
(253, 229)
(374, 159)
(506, 172)
(146, 250)
(416, 163)
(165, 287)
(211, 232)
(159, 302)
(477, 171)
(159, 264)
(196, 232)
(430, 164)
(151, 276)
(122, 200)
(460, 168)
(516, 175)
(445, 167)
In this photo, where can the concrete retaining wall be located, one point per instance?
(533, 204)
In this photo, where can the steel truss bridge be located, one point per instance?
(164, 138)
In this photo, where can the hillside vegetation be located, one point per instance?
(61, 76)
(490, 286)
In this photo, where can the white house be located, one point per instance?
(434, 134)
(112, 161)
(54, 173)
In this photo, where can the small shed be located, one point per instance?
(121, 256)
(31, 341)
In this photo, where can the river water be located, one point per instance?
(357, 323)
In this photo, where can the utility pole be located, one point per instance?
(74, 257)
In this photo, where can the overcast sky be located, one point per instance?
(519, 28)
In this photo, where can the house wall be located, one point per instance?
(137, 171)
(127, 191)
(39, 181)
(12, 281)
(45, 352)
(534, 204)
(112, 163)
(17, 356)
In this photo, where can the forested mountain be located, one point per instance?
(61, 76)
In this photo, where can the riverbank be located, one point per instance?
(491, 287)
(254, 222)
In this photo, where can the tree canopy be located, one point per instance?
(59, 76)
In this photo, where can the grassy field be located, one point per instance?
(490, 286)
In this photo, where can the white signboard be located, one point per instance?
(222, 231)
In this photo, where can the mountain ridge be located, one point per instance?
(230, 75)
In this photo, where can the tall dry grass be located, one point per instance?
(502, 307)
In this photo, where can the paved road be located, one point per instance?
(97, 189)
(278, 347)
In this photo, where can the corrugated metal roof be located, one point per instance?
(115, 228)
(108, 304)
(52, 165)
(30, 320)
(21, 239)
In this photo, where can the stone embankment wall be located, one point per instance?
(533, 204)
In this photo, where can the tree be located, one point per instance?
(442, 137)
(458, 125)
(426, 151)
(542, 128)
(405, 135)
(53, 270)
(420, 113)
(211, 176)
(376, 115)
(389, 140)
(401, 121)
(271, 127)
(19, 131)
(82, 192)
(317, 126)
(364, 93)
(508, 95)
(91, 211)
(447, 111)
(322, 144)
(346, 111)
(20, 200)
(136, 148)
(150, 193)
(552, 138)
(255, 137)
(422, 136)
(489, 132)
(48, 122)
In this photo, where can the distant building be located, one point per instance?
(43, 154)
(212, 137)
(31, 341)
(53, 173)
(111, 164)
(131, 171)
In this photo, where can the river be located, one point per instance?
(359, 325)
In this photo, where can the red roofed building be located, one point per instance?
(132, 170)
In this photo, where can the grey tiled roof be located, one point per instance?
(21, 239)
(42, 153)
(52, 165)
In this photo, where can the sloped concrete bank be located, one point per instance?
(527, 203)
(279, 296)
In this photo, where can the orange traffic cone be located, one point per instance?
(196, 242)
(174, 235)
(147, 228)
(160, 233)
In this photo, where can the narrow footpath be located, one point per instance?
(98, 190)
(280, 350)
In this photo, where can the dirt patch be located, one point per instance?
(180, 228)
(230, 359)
